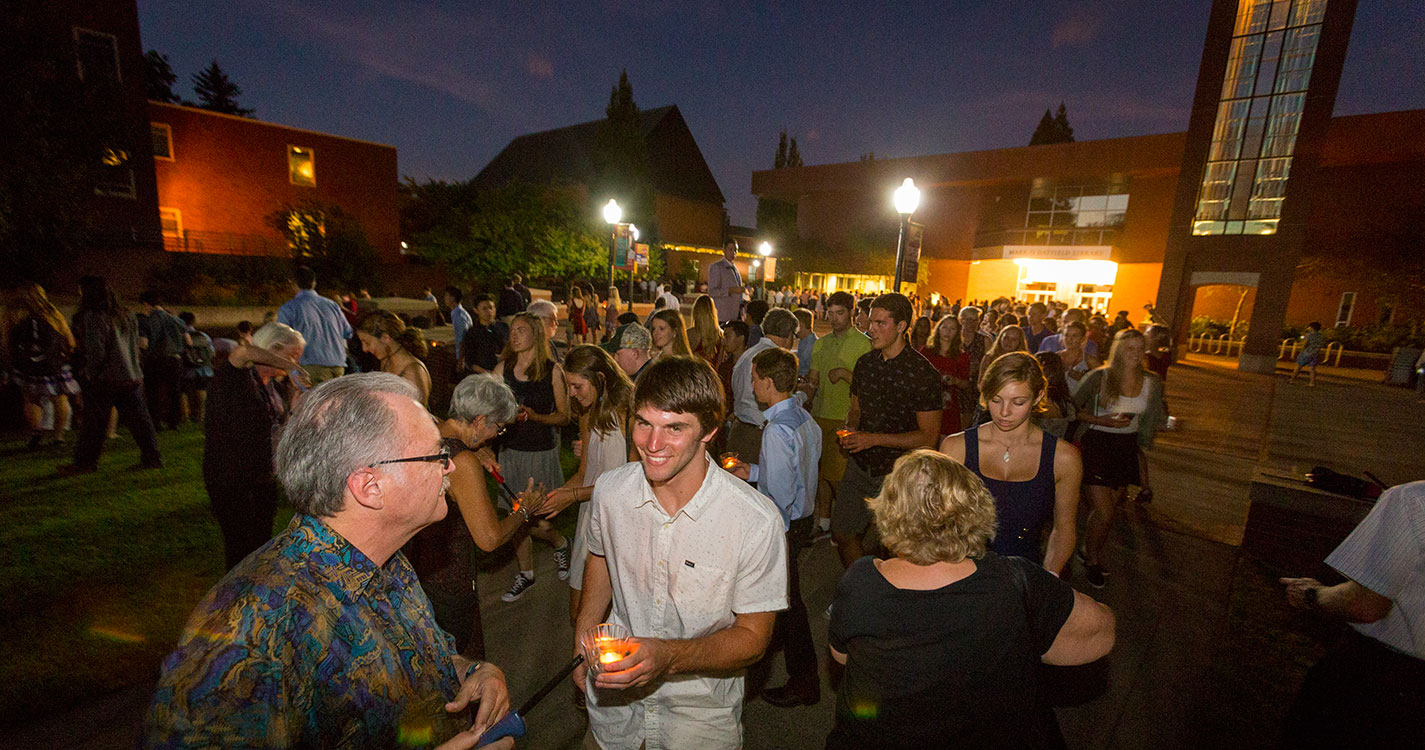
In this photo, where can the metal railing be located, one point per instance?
(224, 243)
(1292, 347)
(1215, 343)
(1069, 236)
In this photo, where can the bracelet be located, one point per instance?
(470, 670)
(525, 513)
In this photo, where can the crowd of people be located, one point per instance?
(943, 447)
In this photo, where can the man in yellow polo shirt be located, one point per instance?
(833, 357)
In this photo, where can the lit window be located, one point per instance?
(171, 221)
(116, 175)
(96, 55)
(162, 140)
(1262, 99)
(302, 166)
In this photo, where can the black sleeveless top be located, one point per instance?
(1023, 508)
(537, 396)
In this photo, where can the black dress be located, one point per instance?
(243, 420)
(444, 556)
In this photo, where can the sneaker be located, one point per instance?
(1096, 576)
(561, 558)
(517, 589)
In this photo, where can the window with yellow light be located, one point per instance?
(302, 166)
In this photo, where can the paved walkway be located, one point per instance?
(1207, 654)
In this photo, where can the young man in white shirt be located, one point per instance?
(692, 561)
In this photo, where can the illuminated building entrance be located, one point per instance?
(1080, 276)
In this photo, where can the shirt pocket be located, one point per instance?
(702, 595)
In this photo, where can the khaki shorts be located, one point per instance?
(833, 459)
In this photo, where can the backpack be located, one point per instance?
(198, 354)
(36, 349)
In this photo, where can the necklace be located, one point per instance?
(1005, 456)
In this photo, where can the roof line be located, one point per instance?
(201, 111)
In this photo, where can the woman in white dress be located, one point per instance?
(599, 394)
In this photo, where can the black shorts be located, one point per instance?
(1110, 458)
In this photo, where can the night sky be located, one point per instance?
(450, 83)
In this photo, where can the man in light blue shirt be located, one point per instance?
(322, 323)
(787, 473)
(806, 339)
(779, 330)
(460, 318)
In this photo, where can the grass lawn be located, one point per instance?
(98, 573)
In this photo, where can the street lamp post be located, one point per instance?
(907, 197)
(766, 251)
(757, 264)
(612, 215)
(633, 231)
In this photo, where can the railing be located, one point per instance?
(224, 243)
(1213, 343)
(1062, 236)
(1292, 347)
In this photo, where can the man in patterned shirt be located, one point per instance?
(895, 408)
(323, 637)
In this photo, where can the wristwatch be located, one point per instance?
(1309, 596)
(471, 669)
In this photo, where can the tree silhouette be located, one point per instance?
(159, 77)
(794, 157)
(217, 92)
(781, 160)
(621, 160)
(1053, 128)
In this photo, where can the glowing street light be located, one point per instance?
(766, 250)
(907, 199)
(612, 213)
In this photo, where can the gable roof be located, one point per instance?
(566, 153)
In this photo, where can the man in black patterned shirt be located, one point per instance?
(895, 408)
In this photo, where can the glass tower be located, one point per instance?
(1258, 114)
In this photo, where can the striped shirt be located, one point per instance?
(1386, 554)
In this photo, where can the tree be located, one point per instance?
(217, 92)
(1061, 123)
(159, 77)
(1053, 128)
(329, 240)
(781, 159)
(622, 167)
(794, 157)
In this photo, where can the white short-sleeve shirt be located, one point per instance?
(1386, 554)
(678, 577)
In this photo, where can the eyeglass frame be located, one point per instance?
(443, 457)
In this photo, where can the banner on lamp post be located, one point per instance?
(910, 262)
(623, 238)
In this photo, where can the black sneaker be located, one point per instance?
(517, 589)
(561, 558)
(1095, 575)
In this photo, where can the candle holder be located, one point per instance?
(605, 644)
(728, 460)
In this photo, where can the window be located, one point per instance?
(1066, 207)
(1262, 98)
(116, 175)
(162, 140)
(171, 220)
(96, 55)
(302, 166)
(1343, 312)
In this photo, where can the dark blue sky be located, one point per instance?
(450, 83)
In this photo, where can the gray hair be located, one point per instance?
(277, 336)
(483, 395)
(779, 322)
(543, 308)
(969, 309)
(339, 426)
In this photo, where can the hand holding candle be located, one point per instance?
(605, 644)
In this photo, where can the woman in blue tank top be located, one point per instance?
(1033, 475)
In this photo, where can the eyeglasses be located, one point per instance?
(443, 457)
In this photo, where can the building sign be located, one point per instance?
(910, 263)
(1063, 252)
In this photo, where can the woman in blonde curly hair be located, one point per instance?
(399, 347)
(38, 345)
(942, 642)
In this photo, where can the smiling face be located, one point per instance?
(376, 347)
(662, 333)
(1012, 405)
(668, 443)
(1073, 338)
(581, 390)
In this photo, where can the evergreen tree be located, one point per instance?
(1061, 123)
(781, 160)
(621, 161)
(794, 157)
(1046, 132)
(217, 92)
(159, 77)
